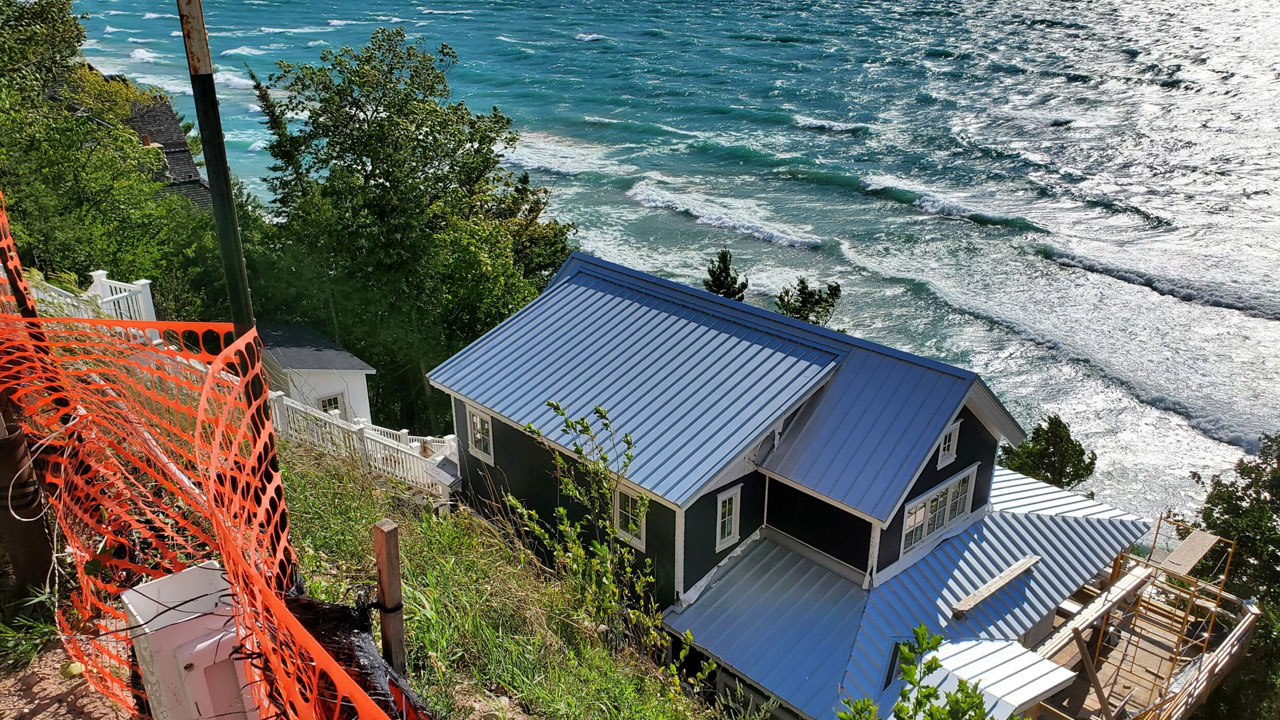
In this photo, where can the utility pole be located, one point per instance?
(208, 116)
(266, 464)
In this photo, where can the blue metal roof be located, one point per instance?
(695, 379)
(810, 636)
(1010, 677)
(1072, 547)
(781, 620)
(862, 441)
(692, 377)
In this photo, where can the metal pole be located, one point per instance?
(196, 39)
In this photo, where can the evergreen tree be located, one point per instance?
(722, 279)
(1051, 455)
(812, 305)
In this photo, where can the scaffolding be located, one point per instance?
(1164, 631)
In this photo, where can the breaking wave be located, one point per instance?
(740, 216)
(243, 50)
(810, 123)
(145, 55)
(232, 80)
(589, 37)
(1209, 297)
(549, 153)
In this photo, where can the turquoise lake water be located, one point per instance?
(1078, 200)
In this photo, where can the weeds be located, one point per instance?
(482, 615)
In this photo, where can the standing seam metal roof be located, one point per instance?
(692, 386)
(696, 378)
(810, 636)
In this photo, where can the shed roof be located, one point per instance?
(808, 616)
(697, 379)
(297, 347)
(1010, 677)
(780, 619)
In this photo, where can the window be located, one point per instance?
(628, 516)
(334, 402)
(480, 435)
(943, 507)
(729, 503)
(948, 445)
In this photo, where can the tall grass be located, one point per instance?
(481, 614)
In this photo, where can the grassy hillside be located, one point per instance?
(482, 618)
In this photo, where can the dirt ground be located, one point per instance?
(41, 693)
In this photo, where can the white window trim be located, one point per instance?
(951, 521)
(632, 540)
(473, 411)
(953, 430)
(734, 493)
(341, 397)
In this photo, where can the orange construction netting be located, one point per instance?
(155, 446)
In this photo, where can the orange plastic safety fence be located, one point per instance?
(155, 446)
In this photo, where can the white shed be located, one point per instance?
(316, 371)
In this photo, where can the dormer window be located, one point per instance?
(940, 509)
(949, 445)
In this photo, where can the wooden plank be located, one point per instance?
(1104, 705)
(1189, 552)
(1098, 607)
(386, 548)
(962, 608)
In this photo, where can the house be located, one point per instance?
(813, 496)
(157, 125)
(315, 371)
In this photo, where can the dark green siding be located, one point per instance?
(817, 523)
(701, 522)
(524, 468)
(977, 444)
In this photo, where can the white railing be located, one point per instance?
(376, 448)
(447, 445)
(104, 298)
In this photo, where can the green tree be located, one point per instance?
(918, 700)
(722, 279)
(82, 191)
(1051, 455)
(1243, 507)
(812, 305)
(403, 236)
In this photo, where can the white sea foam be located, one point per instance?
(243, 50)
(595, 120)
(389, 19)
(340, 23)
(171, 85)
(154, 16)
(175, 33)
(144, 55)
(141, 41)
(429, 11)
(232, 80)
(589, 37)
(108, 30)
(304, 30)
(116, 12)
(504, 38)
(258, 146)
(549, 153)
(736, 215)
(316, 43)
(811, 123)
(253, 108)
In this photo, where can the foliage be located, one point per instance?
(1051, 455)
(812, 305)
(481, 613)
(81, 189)
(404, 238)
(722, 279)
(1243, 508)
(27, 626)
(918, 700)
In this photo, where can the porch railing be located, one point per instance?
(379, 449)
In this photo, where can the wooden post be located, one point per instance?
(386, 547)
(1087, 660)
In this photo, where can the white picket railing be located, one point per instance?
(377, 448)
(104, 298)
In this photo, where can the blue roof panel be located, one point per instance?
(781, 620)
(693, 378)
